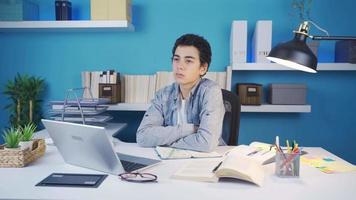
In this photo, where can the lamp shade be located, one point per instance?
(295, 54)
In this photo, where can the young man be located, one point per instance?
(189, 113)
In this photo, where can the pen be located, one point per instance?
(252, 153)
(288, 147)
(217, 167)
(277, 141)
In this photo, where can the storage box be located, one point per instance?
(111, 91)
(110, 10)
(21, 158)
(345, 51)
(287, 94)
(18, 10)
(250, 93)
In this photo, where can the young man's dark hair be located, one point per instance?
(198, 42)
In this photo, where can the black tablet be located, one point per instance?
(73, 180)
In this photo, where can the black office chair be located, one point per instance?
(231, 123)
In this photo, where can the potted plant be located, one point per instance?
(26, 135)
(303, 9)
(24, 92)
(12, 139)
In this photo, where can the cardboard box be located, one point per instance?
(18, 10)
(250, 93)
(110, 10)
(287, 94)
(110, 91)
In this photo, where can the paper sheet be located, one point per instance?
(327, 164)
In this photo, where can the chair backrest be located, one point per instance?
(231, 123)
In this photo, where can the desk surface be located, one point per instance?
(19, 183)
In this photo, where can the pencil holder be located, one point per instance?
(287, 164)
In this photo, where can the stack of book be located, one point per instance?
(141, 88)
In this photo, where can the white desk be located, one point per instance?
(312, 184)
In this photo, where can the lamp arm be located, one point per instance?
(318, 37)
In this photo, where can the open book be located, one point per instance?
(242, 162)
(173, 153)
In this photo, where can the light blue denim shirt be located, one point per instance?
(205, 110)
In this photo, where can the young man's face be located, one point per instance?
(187, 68)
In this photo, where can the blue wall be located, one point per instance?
(60, 57)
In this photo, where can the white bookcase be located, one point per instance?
(71, 25)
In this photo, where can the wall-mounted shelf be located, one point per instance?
(73, 25)
(261, 108)
(277, 67)
(277, 108)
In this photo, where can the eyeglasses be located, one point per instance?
(138, 177)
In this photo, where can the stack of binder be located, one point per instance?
(262, 41)
(238, 42)
(82, 110)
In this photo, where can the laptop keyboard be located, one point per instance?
(131, 166)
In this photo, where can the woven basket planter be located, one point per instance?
(20, 158)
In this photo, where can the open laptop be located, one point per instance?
(89, 146)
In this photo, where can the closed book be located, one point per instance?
(173, 153)
(262, 41)
(238, 42)
(66, 10)
(58, 5)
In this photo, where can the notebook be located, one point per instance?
(174, 153)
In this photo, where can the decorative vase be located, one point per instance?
(26, 144)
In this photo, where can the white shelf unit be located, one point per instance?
(261, 108)
(72, 25)
(277, 67)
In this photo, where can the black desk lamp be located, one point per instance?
(296, 54)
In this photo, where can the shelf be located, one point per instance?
(262, 108)
(277, 108)
(73, 25)
(278, 67)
